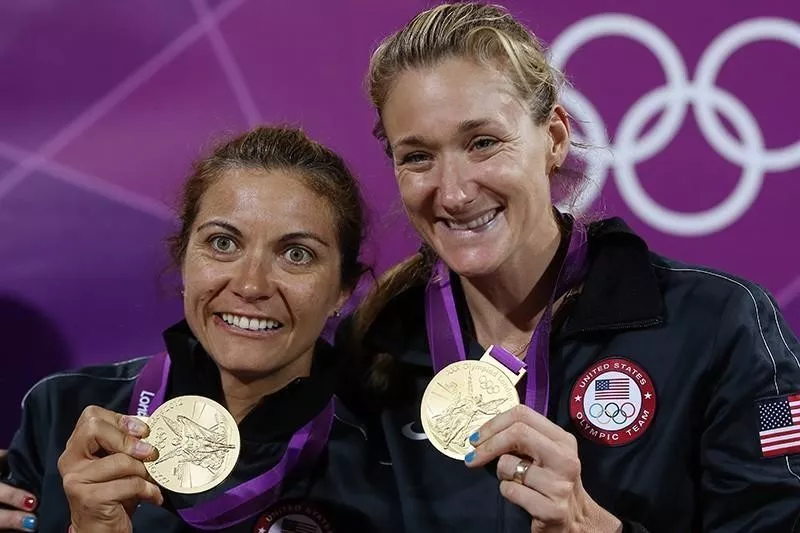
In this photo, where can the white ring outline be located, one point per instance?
(674, 98)
(720, 49)
(702, 222)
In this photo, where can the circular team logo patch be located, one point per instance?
(293, 517)
(613, 402)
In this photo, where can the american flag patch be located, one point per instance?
(779, 425)
(612, 389)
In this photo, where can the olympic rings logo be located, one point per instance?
(619, 414)
(488, 385)
(706, 99)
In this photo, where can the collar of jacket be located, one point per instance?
(194, 372)
(620, 290)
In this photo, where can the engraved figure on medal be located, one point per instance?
(194, 444)
(198, 444)
(460, 399)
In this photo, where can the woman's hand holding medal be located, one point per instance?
(103, 471)
(539, 470)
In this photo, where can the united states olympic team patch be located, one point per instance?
(613, 402)
(293, 517)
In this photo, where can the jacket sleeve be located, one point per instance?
(633, 527)
(750, 442)
(26, 461)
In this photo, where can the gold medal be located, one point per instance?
(197, 441)
(461, 398)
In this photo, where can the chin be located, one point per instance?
(242, 367)
(472, 265)
(477, 256)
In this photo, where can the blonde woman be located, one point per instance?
(655, 396)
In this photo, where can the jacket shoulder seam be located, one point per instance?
(53, 377)
(758, 322)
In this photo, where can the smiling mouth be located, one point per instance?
(474, 224)
(249, 323)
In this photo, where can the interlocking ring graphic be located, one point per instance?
(619, 413)
(488, 385)
(674, 99)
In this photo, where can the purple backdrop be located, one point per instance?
(103, 105)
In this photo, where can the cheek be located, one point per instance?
(414, 191)
(200, 277)
(308, 304)
(314, 295)
(521, 179)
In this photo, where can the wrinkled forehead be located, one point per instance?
(444, 96)
(454, 89)
(261, 200)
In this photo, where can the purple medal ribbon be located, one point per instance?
(253, 496)
(447, 345)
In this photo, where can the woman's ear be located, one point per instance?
(559, 131)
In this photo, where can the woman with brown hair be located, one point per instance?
(243, 431)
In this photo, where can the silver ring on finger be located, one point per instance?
(520, 470)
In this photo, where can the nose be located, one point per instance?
(457, 189)
(253, 279)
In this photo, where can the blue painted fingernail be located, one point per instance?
(29, 523)
(474, 437)
(470, 456)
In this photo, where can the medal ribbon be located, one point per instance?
(253, 496)
(447, 344)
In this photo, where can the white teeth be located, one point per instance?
(472, 224)
(253, 324)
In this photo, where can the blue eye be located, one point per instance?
(298, 255)
(483, 143)
(223, 244)
(413, 157)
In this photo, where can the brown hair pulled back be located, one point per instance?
(288, 149)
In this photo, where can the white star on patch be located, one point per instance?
(262, 530)
(647, 396)
(577, 398)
